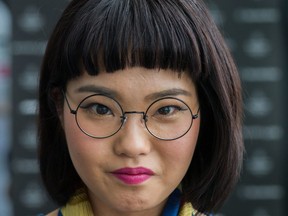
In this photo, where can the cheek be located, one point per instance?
(87, 154)
(183, 148)
(82, 148)
(181, 151)
(72, 131)
(77, 141)
(178, 153)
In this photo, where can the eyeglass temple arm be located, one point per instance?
(196, 115)
(71, 110)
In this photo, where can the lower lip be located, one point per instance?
(132, 179)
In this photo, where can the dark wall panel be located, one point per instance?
(254, 32)
(33, 21)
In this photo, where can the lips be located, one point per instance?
(133, 176)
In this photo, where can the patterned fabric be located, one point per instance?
(187, 210)
(80, 206)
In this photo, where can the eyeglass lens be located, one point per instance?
(100, 116)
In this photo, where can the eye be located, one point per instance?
(168, 110)
(101, 109)
(97, 109)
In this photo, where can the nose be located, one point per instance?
(133, 139)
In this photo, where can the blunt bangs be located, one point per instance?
(116, 34)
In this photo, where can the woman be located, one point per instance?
(139, 110)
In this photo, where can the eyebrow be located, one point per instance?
(168, 93)
(98, 90)
(114, 94)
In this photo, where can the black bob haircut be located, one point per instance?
(163, 34)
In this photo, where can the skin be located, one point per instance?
(94, 159)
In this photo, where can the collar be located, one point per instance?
(79, 205)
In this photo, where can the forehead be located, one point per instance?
(132, 82)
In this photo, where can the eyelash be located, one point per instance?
(176, 108)
(91, 106)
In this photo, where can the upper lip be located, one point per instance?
(133, 171)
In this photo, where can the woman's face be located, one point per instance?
(131, 172)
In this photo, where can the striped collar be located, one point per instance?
(79, 206)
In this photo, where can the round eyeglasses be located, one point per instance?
(100, 116)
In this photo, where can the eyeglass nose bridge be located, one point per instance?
(124, 116)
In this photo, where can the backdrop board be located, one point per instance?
(284, 9)
(5, 106)
(33, 21)
(253, 30)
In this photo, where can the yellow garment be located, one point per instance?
(187, 210)
(79, 206)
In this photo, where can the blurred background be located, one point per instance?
(256, 32)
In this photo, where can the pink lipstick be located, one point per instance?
(133, 176)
